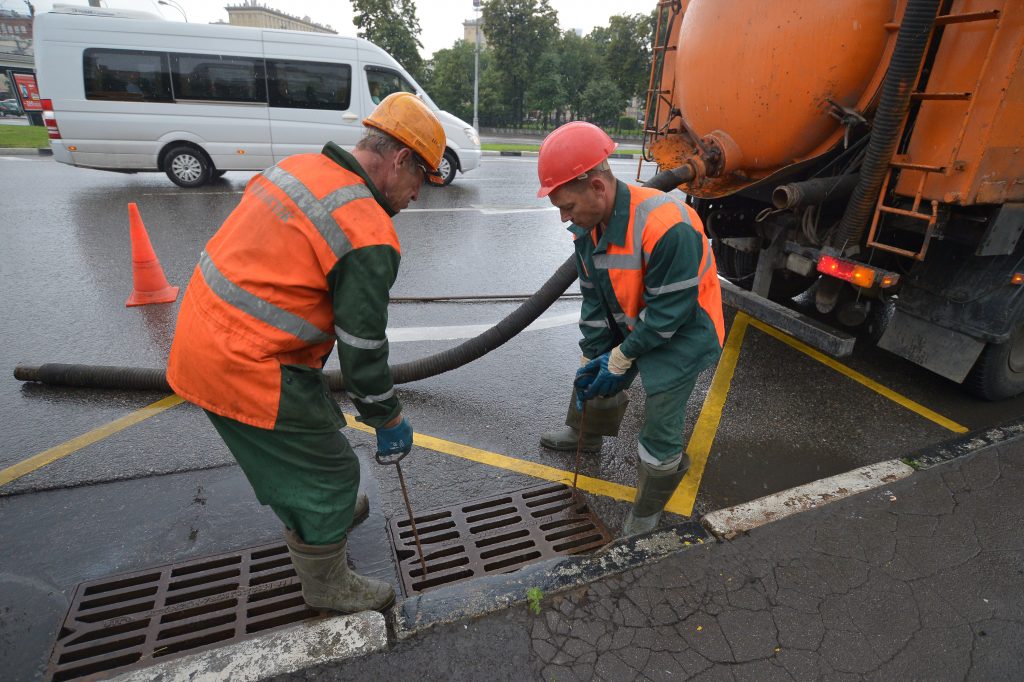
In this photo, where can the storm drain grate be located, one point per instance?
(138, 619)
(496, 535)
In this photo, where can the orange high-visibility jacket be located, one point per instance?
(258, 310)
(652, 273)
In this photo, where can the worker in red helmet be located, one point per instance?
(302, 266)
(651, 305)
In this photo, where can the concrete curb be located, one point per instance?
(494, 593)
(729, 522)
(277, 652)
(26, 151)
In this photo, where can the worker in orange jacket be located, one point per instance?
(651, 305)
(308, 258)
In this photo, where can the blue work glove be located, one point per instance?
(595, 380)
(394, 443)
(585, 376)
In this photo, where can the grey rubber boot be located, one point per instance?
(328, 582)
(654, 488)
(604, 415)
(567, 438)
(362, 508)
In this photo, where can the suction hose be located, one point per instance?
(911, 42)
(144, 379)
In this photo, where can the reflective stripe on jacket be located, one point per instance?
(652, 272)
(257, 321)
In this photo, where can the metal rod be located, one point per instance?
(412, 521)
(579, 448)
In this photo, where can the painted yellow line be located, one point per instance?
(892, 395)
(699, 447)
(520, 466)
(45, 457)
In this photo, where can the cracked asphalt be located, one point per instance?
(921, 580)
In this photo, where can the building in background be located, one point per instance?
(469, 27)
(250, 13)
(15, 49)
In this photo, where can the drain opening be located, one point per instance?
(130, 621)
(496, 535)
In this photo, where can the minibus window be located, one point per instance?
(309, 85)
(218, 78)
(383, 82)
(128, 75)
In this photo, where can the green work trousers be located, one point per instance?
(665, 420)
(310, 480)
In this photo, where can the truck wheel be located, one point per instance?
(999, 371)
(187, 166)
(448, 167)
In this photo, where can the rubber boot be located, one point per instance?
(328, 582)
(654, 488)
(362, 508)
(604, 415)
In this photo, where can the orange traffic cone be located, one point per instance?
(150, 284)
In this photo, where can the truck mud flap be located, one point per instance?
(828, 340)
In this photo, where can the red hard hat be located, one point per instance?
(569, 152)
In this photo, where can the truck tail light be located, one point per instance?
(856, 273)
(50, 119)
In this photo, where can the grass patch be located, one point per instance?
(509, 147)
(23, 136)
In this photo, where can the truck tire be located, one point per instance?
(187, 166)
(999, 372)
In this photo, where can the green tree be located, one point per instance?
(518, 31)
(544, 92)
(394, 26)
(625, 49)
(603, 102)
(451, 78)
(578, 65)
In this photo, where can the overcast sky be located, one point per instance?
(441, 20)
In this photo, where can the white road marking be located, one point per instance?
(173, 193)
(14, 158)
(405, 334)
(482, 209)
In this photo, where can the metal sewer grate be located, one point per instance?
(496, 535)
(138, 619)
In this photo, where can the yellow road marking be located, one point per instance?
(520, 466)
(45, 457)
(892, 395)
(699, 447)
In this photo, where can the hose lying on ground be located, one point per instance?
(143, 379)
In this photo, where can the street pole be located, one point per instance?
(476, 69)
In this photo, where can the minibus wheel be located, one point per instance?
(187, 166)
(448, 167)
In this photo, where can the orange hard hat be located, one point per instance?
(405, 117)
(570, 151)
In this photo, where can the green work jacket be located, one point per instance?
(674, 338)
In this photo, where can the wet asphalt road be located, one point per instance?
(166, 489)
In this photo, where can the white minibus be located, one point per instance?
(128, 91)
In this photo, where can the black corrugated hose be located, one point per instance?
(911, 43)
(144, 379)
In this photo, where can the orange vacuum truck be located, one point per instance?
(864, 158)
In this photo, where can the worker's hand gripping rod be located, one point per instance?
(395, 459)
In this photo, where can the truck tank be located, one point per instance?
(871, 148)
